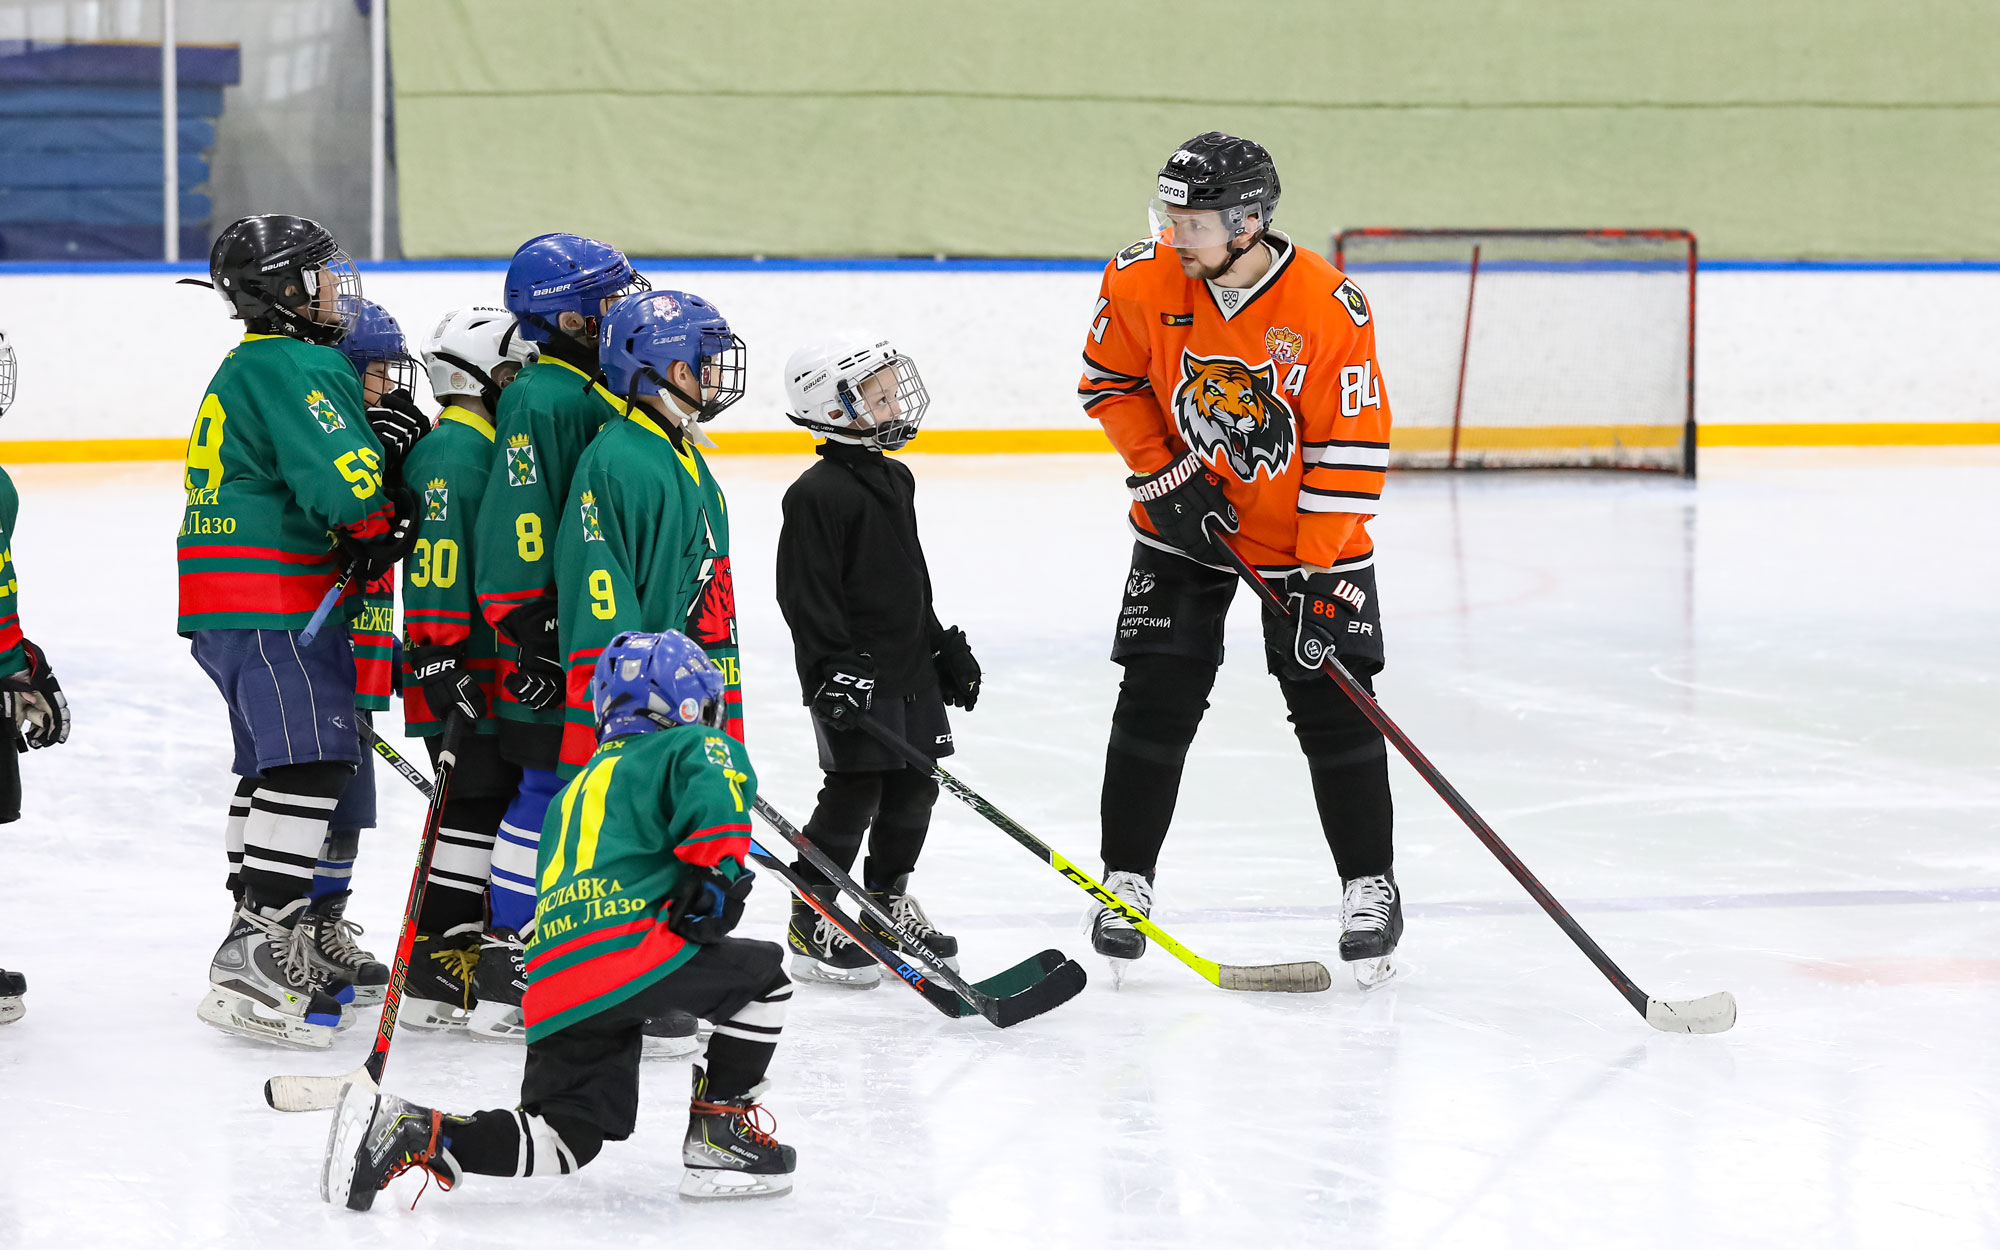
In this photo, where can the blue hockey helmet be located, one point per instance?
(374, 335)
(645, 682)
(553, 274)
(645, 334)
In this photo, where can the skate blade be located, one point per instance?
(233, 1013)
(351, 1118)
(11, 1009)
(1373, 974)
(710, 1184)
(369, 995)
(806, 968)
(669, 1047)
(1118, 968)
(493, 1022)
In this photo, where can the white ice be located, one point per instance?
(1745, 728)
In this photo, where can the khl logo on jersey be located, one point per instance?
(521, 461)
(437, 499)
(1223, 404)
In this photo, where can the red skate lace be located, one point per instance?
(421, 1158)
(753, 1117)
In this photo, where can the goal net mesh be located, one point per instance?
(1532, 349)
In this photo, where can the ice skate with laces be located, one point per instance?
(822, 953)
(264, 982)
(332, 947)
(913, 928)
(1371, 923)
(729, 1151)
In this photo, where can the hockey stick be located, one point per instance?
(1308, 977)
(1713, 1014)
(1031, 987)
(319, 1093)
(325, 608)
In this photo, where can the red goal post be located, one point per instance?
(1532, 348)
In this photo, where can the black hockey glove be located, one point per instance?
(537, 680)
(375, 554)
(37, 712)
(846, 691)
(1316, 600)
(449, 687)
(706, 903)
(958, 672)
(398, 424)
(1180, 499)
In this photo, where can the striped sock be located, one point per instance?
(335, 869)
(232, 830)
(743, 1045)
(512, 874)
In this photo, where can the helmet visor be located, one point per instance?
(1178, 226)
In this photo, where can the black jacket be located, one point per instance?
(851, 574)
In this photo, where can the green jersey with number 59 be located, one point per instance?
(280, 456)
(618, 838)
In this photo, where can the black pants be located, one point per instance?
(1169, 640)
(871, 792)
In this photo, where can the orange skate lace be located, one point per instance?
(421, 1158)
(753, 1117)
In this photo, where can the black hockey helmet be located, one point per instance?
(286, 275)
(1219, 173)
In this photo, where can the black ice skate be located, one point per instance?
(913, 927)
(499, 983)
(437, 990)
(263, 982)
(823, 953)
(1112, 935)
(673, 1035)
(1371, 923)
(12, 986)
(729, 1152)
(374, 1139)
(332, 947)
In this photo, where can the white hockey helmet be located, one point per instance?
(6, 373)
(468, 347)
(856, 388)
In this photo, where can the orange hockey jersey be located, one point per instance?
(1275, 386)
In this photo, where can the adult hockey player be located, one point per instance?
(282, 456)
(642, 877)
(32, 705)
(450, 657)
(558, 288)
(856, 592)
(1236, 374)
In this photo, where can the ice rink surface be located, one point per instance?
(1745, 728)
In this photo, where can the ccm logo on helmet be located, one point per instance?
(1173, 190)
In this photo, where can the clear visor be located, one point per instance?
(889, 403)
(1177, 226)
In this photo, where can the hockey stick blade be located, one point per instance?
(1714, 1014)
(1309, 977)
(311, 1093)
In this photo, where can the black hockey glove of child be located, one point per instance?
(1180, 499)
(398, 424)
(706, 903)
(377, 544)
(537, 679)
(846, 691)
(37, 713)
(1316, 600)
(958, 673)
(449, 687)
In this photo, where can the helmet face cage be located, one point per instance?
(721, 378)
(886, 404)
(399, 374)
(6, 375)
(592, 307)
(331, 288)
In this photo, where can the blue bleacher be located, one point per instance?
(80, 147)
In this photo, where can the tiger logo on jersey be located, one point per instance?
(1223, 404)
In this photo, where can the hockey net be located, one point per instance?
(1533, 348)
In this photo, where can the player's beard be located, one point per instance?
(1205, 273)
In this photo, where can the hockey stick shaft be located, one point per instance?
(939, 971)
(1369, 708)
(326, 605)
(1306, 977)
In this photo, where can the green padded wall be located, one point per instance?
(1809, 128)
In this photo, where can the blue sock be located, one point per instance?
(514, 851)
(335, 870)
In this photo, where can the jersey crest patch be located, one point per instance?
(1285, 344)
(1223, 404)
(1350, 295)
(437, 499)
(592, 531)
(521, 469)
(1142, 250)
(324, 412)
(717, 750)
(711, 621)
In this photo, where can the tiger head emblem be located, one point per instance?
(1224, 404)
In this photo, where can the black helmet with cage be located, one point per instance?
(286, 275)
(1207, 191)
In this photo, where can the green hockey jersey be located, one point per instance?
(617, 839)
(12, 660)
(644, 545)
(280, 456)
(448, 471)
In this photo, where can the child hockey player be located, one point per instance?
(32, 705)
(642, 877)
(854, 588)
(282, 455)
(558, 288)
(450, 655)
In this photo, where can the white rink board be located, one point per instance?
(127, 355)
(1749, 738)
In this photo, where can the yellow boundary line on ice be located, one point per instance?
(1017, 442)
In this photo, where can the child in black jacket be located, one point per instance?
(854, 589)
